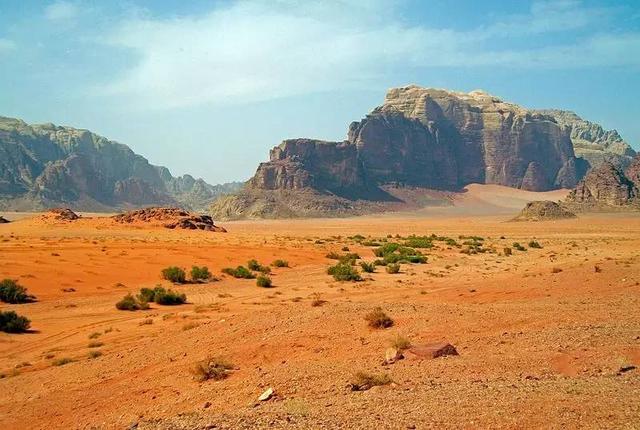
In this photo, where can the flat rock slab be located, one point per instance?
(432, 350)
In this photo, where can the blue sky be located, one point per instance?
(208, 87)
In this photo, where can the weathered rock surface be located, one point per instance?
(592, 142)
(426, 138)
(46, 165)
(605, 187)
(433, 350)
(545, 210)
(60, 214)
(4, 220)
(172, 218)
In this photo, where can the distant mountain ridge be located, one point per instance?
(424, 138)
(45, 165)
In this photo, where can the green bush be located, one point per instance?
(12, 292)
(170, 298)
(239, 272)
(263, 281)
(419, 241)
(174, 274)
(535, 244)
(11, 322)
(200, 273)
(344, 272)
(280, 263)
(393, 268)
(368, 267)
(257, 267)
(130, 303)
(396, 253)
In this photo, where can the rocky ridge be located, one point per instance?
(607, 187)
(171, 218)
(544, 210)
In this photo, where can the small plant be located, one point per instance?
(280, 263)
(393, 268)
(189, 326)
(240, 272)
(535, 244)
(368, 267)
(95, 344)
(94, 354)
(317, 300)
(378, 319)
(200, 273)
(11, 322)
(62, 361)
(170, 298)
(264, 281)
(507, 251)
(363, 381)
(95, 335)
(130, 303)
(400, 342)
(518, 247)
(344, 272)
(174, 274)
(556, 270)
(215, 368)
(12, 292)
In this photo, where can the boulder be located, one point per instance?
(4, 220)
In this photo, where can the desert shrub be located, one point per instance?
(507, 251)
(169, 298)
(130, 303)
(362, 381)
(317, 300)
(263, 281)
(518, 247)
(174, 274)
(240, 272)
(94, 354)
(146, 321)
(535, 244)
(200, 273)
(95, 335)
(11, 322)
(95, 344)
(215, 368)
(147, 295)
(12, 292)
(556, 270)
(345, 248)
(280, 263)
(344, 272)
(62, 361)
(400, 342)
(396, 253)
(419, 241)
(379, 262)
(393, 268)
(357, 238)
(377, 318)
(368, 267)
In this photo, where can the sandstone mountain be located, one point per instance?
(593, 143)
(420, 137)
(47, 165)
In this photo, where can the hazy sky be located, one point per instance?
(208, 87)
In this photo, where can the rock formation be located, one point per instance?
(60, 214)
(46, 165)
(419, 137)
(592, 142)
(4, 220)
(607, 187)
(545, 210)
(171, 218)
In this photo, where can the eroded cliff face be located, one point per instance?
(434, 139)
(605, 186)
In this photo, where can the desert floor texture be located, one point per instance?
(547, 338)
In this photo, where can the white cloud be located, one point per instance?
(61, 10)
(255, 50)
(6, 45)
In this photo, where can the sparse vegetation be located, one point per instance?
(257, 267)
(507, 251)
(400, 342)
(169, 297)
(95, 335)
(535, 244)
(62, 361)
(344, 272)
(264, 281)
(518, 247)
(377, 318)
(317, 300)
(95, 344)
(363, 381)
(146, 321)
(240, 272)
(174, 274)
(200, 273)
(94, 354)
(368, 267)
(130, 303)
(395, 253)
(12, 292)
(215, 368)
(280, 263)
(11, 322)
(393, 268)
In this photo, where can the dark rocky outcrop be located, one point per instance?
(171, 218)
(592, 142)
(606, 187)
(60, 214)
(46, 165)
(544, 210)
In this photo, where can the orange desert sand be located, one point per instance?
(547, 338)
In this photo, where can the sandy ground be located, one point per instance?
(542, 335)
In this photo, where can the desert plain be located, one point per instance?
(547, 338)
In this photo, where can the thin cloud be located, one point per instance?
(60, 11)
(253, 50)
(6, 45)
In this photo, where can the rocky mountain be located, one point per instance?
(608, 187)
(593, 143)
(425, 138)
(47, 165)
